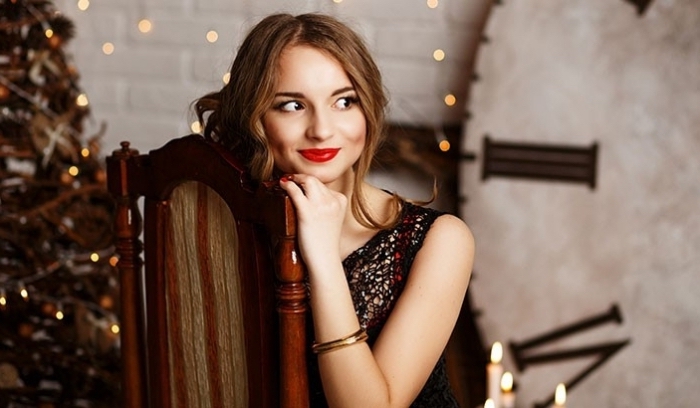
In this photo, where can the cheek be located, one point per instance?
(357, 130)
(278, 146)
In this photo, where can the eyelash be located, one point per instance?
(280, 106)
(351, 100)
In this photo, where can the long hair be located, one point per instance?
(233, 115)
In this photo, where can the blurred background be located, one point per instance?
(588, 234)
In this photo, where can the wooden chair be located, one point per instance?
(218, 317)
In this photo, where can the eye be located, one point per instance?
(289, 106)
(345, 102)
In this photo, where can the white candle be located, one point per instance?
(507, 393)
(560, 396)
(494, 371)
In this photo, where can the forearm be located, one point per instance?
(351, 376)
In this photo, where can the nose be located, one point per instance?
(320, 125)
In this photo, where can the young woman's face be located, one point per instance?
(315, 125)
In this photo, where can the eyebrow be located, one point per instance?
(301, 95)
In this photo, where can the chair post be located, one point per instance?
(292, 308)
(128, 246)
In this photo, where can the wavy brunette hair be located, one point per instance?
(233, 115)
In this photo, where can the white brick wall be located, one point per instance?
(144, 89)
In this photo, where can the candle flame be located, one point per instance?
(560, 394)
(496, 352)
(489, 403)
(507, 382)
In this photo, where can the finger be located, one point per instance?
(294, 191)
(310, 184)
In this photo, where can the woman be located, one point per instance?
(305, 103)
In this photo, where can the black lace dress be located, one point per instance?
(377, 273)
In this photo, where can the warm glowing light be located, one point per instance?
(73, 171)
(85, 152)
(3, 299)
(48, 33)
(489, 403)
(145, 25)
(108, 48)
(82, 100)
(23, 292)
(450, 100)
(212, 36)
(432, 3)
(507, 382)
(83, 5)
(337, 1)
(115, 329)
(227, 78)
(94, 257)
(439, 55)
(59, 315)
(113, 261)
(444, 145)
(560, 395)
(196, 127)
(496, 352)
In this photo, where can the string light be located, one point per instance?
(59, 313)
(212, 36)
(444, 145)
(145, 25)
(85, 152)
(115, 328)
(23, 292)
(94, 257)
(31, 99)
(432, 4)
(108, 48)
(227, 78)
(196, 127)
(438, 55)
(113, 261)
(48, 33)
(83, 5)
(82, 100)
(3, 298)
(450, 100)
(73, 171)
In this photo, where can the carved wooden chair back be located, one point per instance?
(217, 318)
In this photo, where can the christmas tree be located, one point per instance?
(59, 341)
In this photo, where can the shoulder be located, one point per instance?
(448, 250)
(447, 226)
(450, 235)
(439, 226)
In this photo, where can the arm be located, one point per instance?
(393, 373)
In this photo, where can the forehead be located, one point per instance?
(307, 65)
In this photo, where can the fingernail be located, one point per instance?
(286, 178)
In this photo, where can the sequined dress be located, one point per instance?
(377, 273)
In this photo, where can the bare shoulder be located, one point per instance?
(450, 231)
(448, 250)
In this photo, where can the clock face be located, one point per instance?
(572, 74)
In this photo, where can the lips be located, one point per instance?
(319, 155)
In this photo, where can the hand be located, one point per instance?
(320, 215)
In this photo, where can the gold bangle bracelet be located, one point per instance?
(354, 338)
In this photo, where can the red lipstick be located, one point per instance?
(319, 155)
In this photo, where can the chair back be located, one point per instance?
(217, 317)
